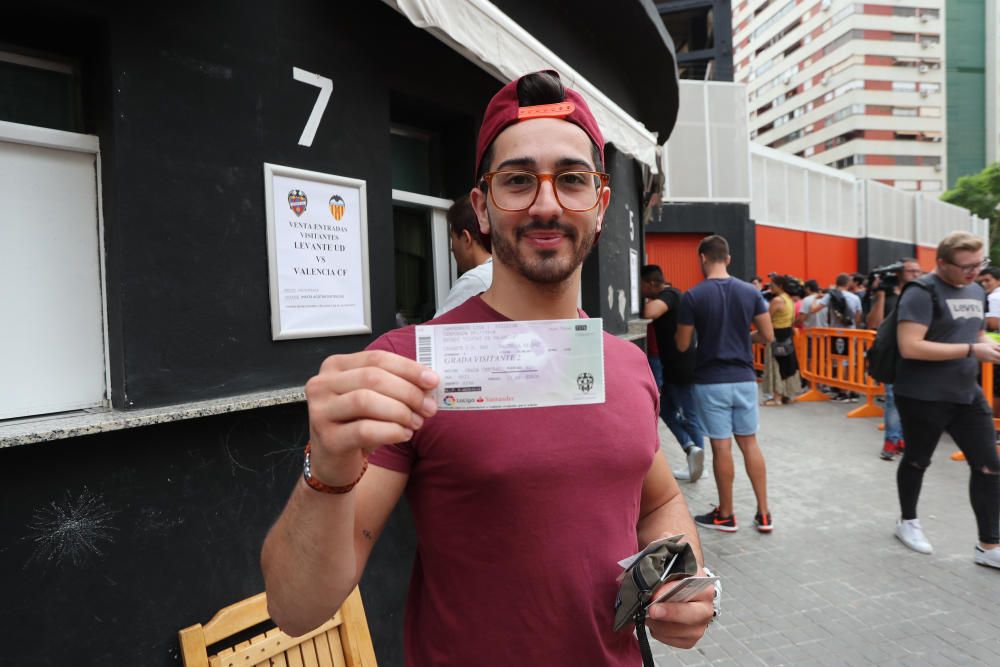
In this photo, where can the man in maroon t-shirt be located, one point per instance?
(521, 514)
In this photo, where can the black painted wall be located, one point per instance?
(196, 119)
(606, 273)
(114, 542)
(189, 100)
(729, 220)
(723, 34)
(873, 253)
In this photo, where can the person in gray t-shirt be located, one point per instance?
(936, 389)
(959, 320)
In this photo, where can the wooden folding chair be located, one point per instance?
(343, 641)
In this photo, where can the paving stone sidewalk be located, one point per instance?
(831, 585)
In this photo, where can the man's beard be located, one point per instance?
(542, 266)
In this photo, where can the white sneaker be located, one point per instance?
(696, 462)
(681, 474)
(909, 533)
(988, 557)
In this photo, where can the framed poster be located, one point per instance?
(317, 247)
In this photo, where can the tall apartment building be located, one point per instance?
(992, 81)
(854, 86)
(971, 58)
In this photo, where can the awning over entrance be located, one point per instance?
(493, 40)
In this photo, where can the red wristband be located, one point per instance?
(317, 485)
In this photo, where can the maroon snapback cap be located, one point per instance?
(504, 110)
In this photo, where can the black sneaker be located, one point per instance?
(762, 522)
(841, 398)
(715, 521)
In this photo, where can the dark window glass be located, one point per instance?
(411, 163)
(38, 96)
(415, 301)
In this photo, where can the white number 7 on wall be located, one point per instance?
(325, 86)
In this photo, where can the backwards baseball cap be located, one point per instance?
(505, 109)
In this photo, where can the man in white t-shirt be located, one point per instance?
(807, 316)
(989, 280)
(472, 255)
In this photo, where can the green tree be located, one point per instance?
(980, 193)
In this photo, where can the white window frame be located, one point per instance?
(444, 268)
(43, 137)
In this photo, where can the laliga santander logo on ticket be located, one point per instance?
(337, 207)
(449, 400)
(297, 201)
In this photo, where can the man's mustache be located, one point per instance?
(553, 225)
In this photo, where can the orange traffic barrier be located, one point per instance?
(836, 358)
(986, 380)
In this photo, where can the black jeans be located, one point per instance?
(971, 426)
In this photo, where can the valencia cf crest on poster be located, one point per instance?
(585, 381)
(337, 207)
(297, 201)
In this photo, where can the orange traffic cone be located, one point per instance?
(959, 456)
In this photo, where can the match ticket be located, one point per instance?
(686, 589)
(496, 365)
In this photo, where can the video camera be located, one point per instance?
(888, 276)
(766, 290)
(793, 286)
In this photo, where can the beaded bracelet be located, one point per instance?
(317, 485)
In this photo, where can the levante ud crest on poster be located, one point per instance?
(297, 201)
(337, 207)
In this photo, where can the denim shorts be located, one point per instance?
(728, 409)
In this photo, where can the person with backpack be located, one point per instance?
(844, 311)
(843, 306)
(884, 301)
(941, 338)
